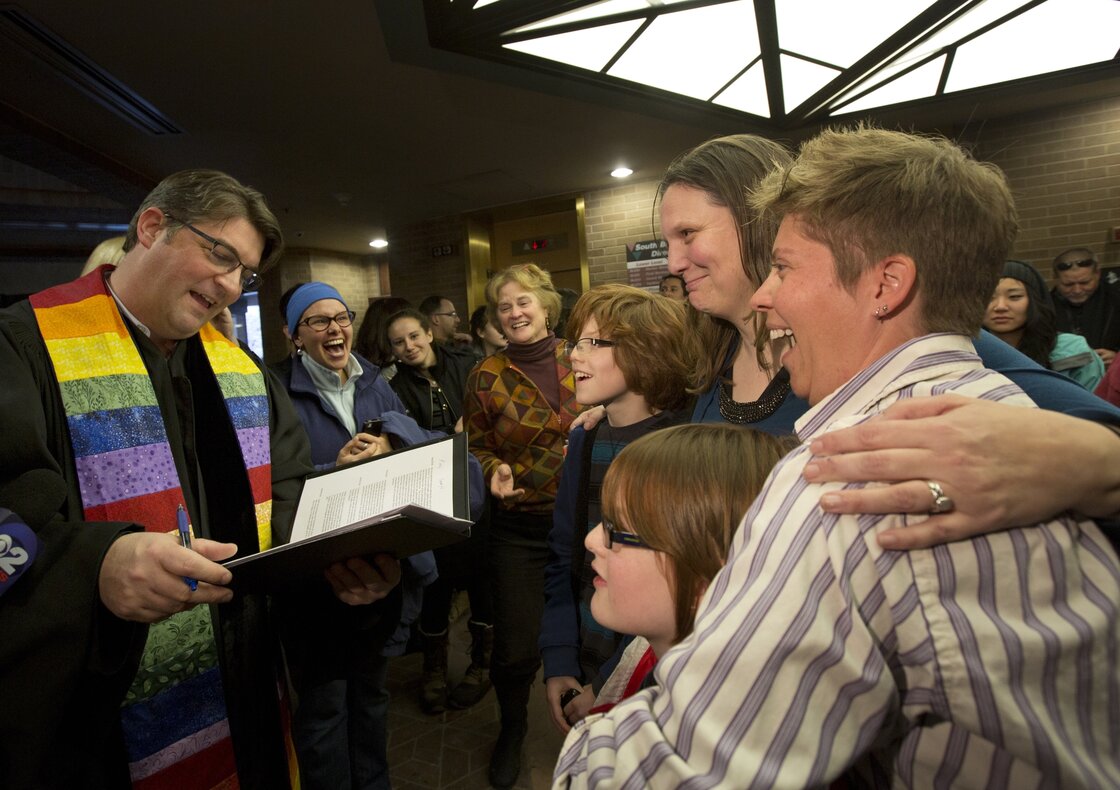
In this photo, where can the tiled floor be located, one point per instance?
(452, 749)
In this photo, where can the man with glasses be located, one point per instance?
(1083, 306)
(444, 321)
(126, 418)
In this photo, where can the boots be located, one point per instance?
(433, 683)
(476, 680)
(505, 762)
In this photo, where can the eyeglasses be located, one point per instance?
(622, 537)
(223, 257)
(320, 322)
(585, 344)
(453, 314)
(1065, 266)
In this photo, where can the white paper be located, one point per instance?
(360, 492)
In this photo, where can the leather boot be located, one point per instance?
(433, 683)
(476, 680)
(505, 762)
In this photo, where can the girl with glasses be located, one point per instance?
(671, 503)
(632, 354)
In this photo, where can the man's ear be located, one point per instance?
(148, 226)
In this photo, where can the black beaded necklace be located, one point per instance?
(754, 411)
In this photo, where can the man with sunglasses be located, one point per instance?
(1083, 306)
(128, 419)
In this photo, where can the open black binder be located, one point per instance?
(341, 526)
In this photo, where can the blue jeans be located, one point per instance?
(340, 721)
(340, 728)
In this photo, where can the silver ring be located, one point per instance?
(941, 502)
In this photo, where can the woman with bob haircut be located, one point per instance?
(519, 405)
(672, 501)
(632, 353)
(1022, 315)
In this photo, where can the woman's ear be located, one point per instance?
(896, 277)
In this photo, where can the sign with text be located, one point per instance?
(646, 263)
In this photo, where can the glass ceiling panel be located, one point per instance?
(748, 93)
(1050, 37)
(841, 32)
(962, 27)
(921, 83)
(801, 79)
(594, 11)
(588, 49)
(694, 52)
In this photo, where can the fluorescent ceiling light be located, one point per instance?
(801, 79)
(920, 83)
(694, 52)
(1053, 36)
(710, 51)
(960, 28)
(748, 93)
(593, 11)
(828, 30)
(586, 49)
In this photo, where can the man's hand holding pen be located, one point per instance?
(141, 576)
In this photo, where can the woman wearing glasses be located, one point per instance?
(337, 654)
(519, 405)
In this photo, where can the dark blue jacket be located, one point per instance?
(373, 399)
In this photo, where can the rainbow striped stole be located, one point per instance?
(174, 717)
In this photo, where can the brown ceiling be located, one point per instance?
(339, 111)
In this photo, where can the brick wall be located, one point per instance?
(1063, 165)
(357, 278)
(614, 217)
(414, 273)
(1064, 169)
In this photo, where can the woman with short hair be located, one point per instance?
(519, 406)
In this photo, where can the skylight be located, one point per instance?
(867, 53)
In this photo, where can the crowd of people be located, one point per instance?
(784, 523)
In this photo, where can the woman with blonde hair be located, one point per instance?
(519, 405)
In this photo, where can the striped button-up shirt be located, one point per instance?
(991, 662)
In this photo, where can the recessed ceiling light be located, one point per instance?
(622, 172)
(379, 244)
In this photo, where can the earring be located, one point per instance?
(881, 311)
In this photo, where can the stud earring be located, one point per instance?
(881, 311)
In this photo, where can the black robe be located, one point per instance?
(65, 660)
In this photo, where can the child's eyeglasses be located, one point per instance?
(585, 344)
(622, 537)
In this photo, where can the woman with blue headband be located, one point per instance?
(337, 654)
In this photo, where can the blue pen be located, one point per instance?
(185, 539)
